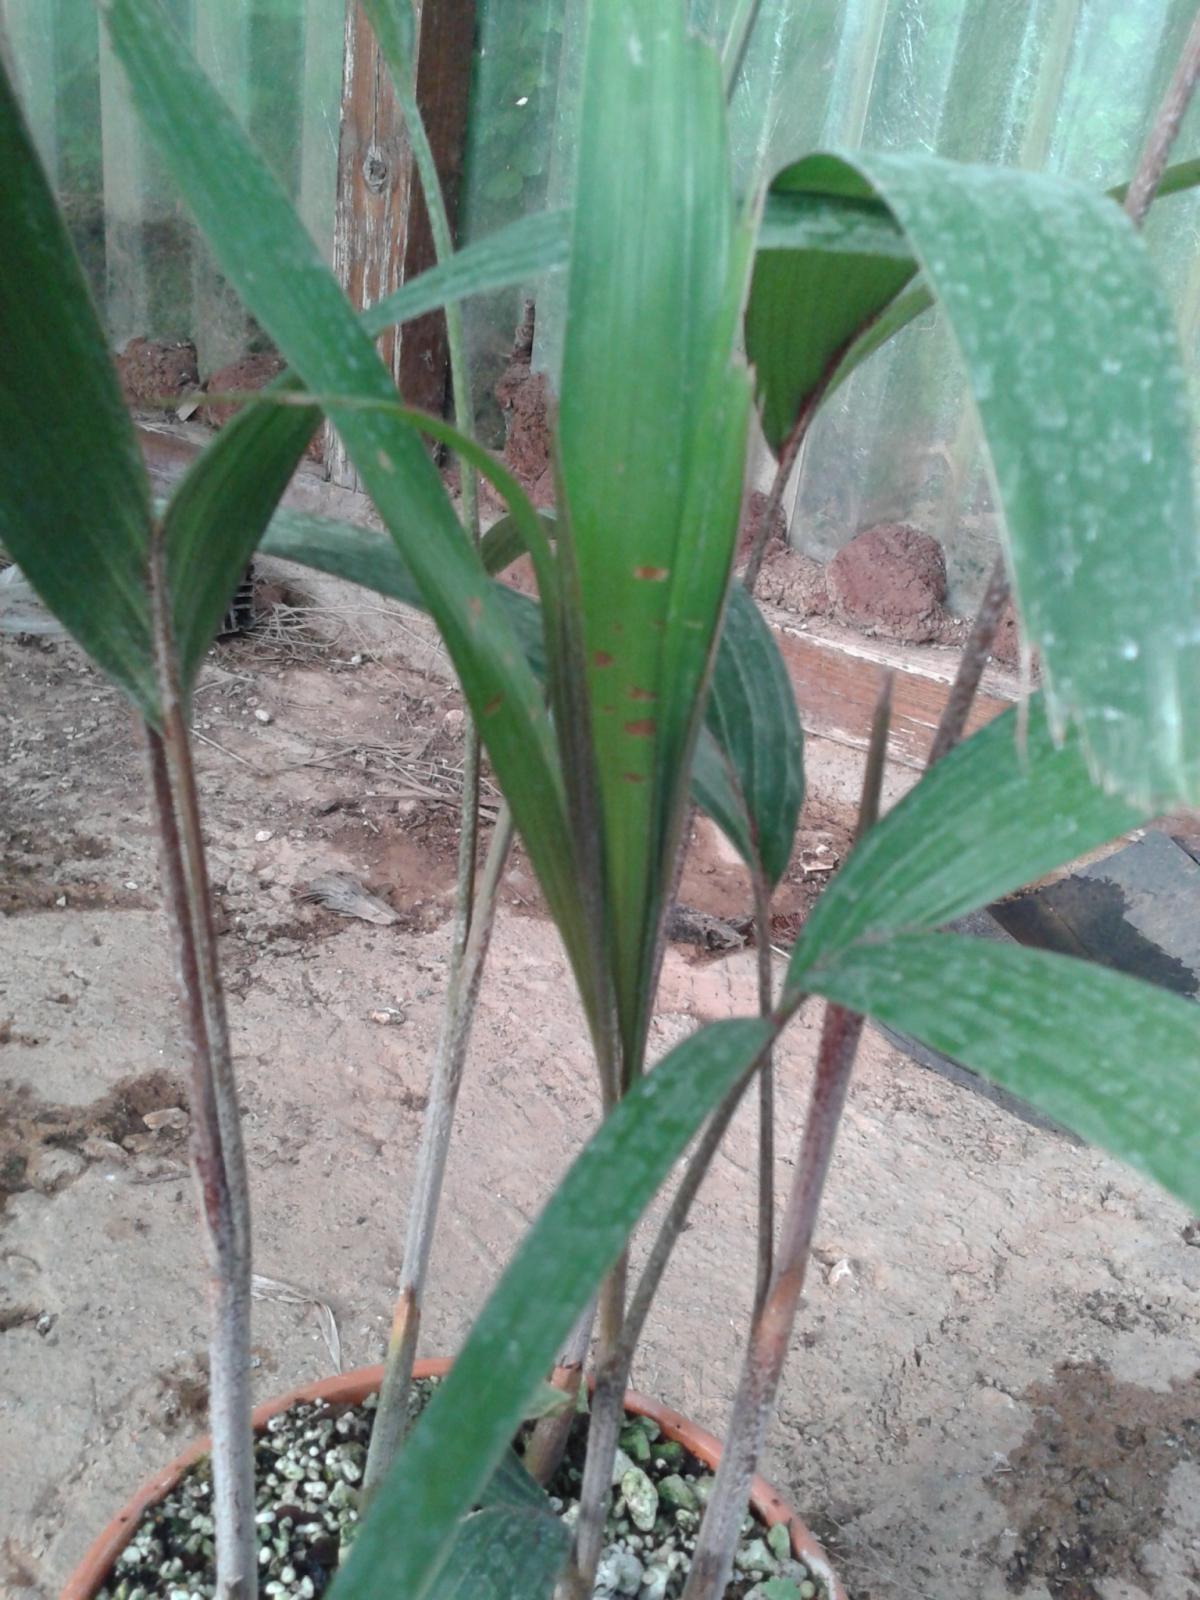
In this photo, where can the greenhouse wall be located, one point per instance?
(1065, 86)
(1061, 86)
(278, 64)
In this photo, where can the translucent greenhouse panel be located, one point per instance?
(278, 64)
(1052, 85)
(51, 50)
(1066, 86)
(779, 105)
(517, 78)
(148, 237)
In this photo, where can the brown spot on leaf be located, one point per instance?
(635, 693)
(652, 574)
(642, 728)
(601, 658)
(493, 705)
(633, 777)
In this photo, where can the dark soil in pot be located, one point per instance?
(309, 1463)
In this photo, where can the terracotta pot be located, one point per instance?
(352, 1387)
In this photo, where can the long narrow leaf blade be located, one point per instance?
(512, 256)
(1178, 178)
(1074, 365)
(833, 223)
(502, 1553)
(814, 292)
(473, 1416)
(218, 512)
(74, 502)
(993, 815)
(752, 714)
(654, 285)
(716, 791)
(1112, 1058)
(269, 258)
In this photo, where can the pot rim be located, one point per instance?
(349, 1388)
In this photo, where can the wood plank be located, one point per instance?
(835, 675)
(381, 232)
(446, 31)
(168, 449)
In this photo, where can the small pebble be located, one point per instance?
(167, 1117)
(263, 715)
(263, 835)
(779, 1541)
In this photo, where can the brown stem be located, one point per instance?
(391, 1417)
(766, 1092)
(548, 1441)
(770, 1335)
(783, 471)
(1153, 160)
(612, 1376)
(604, 1427)
(468, 847)
(1151, 165)
(976, 654)
(771, 1329)
(789, 450)
(218, 1159)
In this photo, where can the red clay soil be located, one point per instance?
(154, 373)
(890, 579)
(523, 400)
(248, 372)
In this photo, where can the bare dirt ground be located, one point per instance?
(995, 1384)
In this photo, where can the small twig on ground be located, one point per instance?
(232, 754)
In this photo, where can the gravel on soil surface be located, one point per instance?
(309, 1463)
